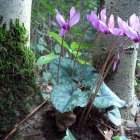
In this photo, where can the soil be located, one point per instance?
(43, 127)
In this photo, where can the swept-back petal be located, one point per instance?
(72, 12)
(116, 31)
(134, 22)
(59, 18)
(132, 34)
(103, 27)
(94, 20)
(103, 15)
(74, 20)
(121, 23)
(90, 18)
(111, 22)
(62, 32)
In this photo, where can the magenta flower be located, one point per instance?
(116, 61)
(66, 26)
(130, 28)
(99, 22)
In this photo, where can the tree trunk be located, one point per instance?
(17, 75)
(122, 82)
(16, 9)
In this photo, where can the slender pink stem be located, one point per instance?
(100, 80)
(79, 49)
(94, 41)
(59, 60)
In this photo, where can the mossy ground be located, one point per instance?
(17, 75)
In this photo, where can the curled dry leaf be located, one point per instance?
(108, 134)
(64, 120)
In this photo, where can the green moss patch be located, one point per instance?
(17, 75)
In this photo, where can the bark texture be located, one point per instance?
(16, 9)
(17, 74)
(122, 83)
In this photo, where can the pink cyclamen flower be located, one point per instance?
(116, 61)
(130, 28)
(100, 23)
(66, 26)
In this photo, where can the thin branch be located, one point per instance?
(60, 60)
(24, 120)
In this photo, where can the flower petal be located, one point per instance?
(134, 22)
(116, 31)
(103, 27)
(59, 18)
(116, 61)
(74, 20)
(133, 35)
(121, 23)
(103, 15)
(72, 12)
(89, 18)
(62, 32)
(114, 65)
(111, 22)
(92, 18)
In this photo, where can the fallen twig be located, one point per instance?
(24, 120)
(32, 134)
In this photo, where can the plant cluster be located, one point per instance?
(70, 75)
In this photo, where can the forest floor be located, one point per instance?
(43, 125)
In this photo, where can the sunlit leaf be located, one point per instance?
(76, 54)
(83, 62)
(59, 39)
(120, 138)
(46, 59)
(138, 65)
(74, 46)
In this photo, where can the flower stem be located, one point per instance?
(100, 80)
(60, 60)
(78, 49)
(94, 41)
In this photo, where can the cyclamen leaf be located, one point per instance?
(115, 116)
(66, 97)
(65, 71)
(46, 59)
(69, 135)
(106, 98)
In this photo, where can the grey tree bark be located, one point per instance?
(122, 83)
(16, 89)
(16, 9)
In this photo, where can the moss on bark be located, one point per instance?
(17, 75)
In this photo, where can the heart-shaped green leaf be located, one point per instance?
(66, 97)
(115, 116)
